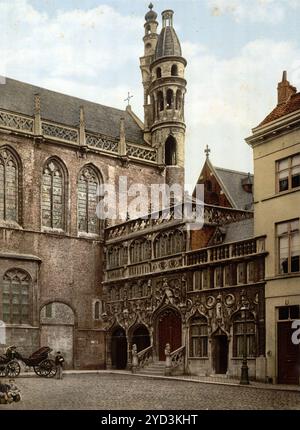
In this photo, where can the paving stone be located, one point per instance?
(118, 391)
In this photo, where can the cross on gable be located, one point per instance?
(207, 151)
(128, 98)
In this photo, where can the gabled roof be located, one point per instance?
(292, 105)
(231, 183)
(18, 97)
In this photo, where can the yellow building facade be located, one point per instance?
(276, 152)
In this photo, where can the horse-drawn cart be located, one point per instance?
(39, 360)
(9, 366)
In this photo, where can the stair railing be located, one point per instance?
(173, 359)
(145, 357)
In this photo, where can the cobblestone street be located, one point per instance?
(112, 391)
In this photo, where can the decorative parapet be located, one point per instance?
(226, 252)
(102, 143)
(16, 122)
(202, 257)
(60, 133)
(141, 153)
(212, 215)
(73, 135)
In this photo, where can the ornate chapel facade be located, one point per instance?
(94, 289)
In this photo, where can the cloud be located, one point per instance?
(94, 54)
(266, 11)
(81, 46)
(228, 97)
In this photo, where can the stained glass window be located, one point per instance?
(87, 201)
(8, 186)
(53, 192)
(16, 297)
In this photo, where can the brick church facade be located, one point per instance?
(93, 288)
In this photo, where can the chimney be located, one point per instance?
(285, 90)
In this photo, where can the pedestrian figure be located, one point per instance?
(135, 359)
(59, 362)
(14, 391)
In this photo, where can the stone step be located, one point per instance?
(151, 372)
(156, 368)
(157, 365)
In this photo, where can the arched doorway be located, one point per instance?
(57, 330)
(169, 331)
(141, 338)
(220, 352)
(119, 349)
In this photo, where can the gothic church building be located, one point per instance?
(93, 289)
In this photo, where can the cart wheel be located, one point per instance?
(44, 368)
(40, 370)
(3, 371)
(13, 369)
(52, 367)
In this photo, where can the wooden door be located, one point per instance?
(169, 331)
(119, 349)
(288, 355)
(220, 354)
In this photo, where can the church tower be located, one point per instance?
(165, 89)
(150, 42)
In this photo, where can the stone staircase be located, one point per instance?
(156, 369)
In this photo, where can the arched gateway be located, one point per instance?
(119, 348)
(141, 338)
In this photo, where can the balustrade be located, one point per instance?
(145, 357)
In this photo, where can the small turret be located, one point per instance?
(150, 41)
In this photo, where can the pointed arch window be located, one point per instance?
(53, 196)
(170, 151)
(16, 297)
(88, 182)
(9, 186)
(140, 250)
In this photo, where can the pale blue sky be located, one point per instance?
(236, 52)
(224, 35)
